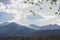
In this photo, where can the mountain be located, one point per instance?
(14, 29)
(54, 32)
(33, 26)
(47, 30)
(47, 27)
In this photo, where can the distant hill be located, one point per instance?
(14, 29)
(47, 27)
(47, 30)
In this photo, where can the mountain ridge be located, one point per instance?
(14, 29)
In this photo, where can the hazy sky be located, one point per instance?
(24, 17)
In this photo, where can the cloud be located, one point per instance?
(20, 10)
(5, 1)
(2, 6)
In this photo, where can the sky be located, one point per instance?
(23, 16)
